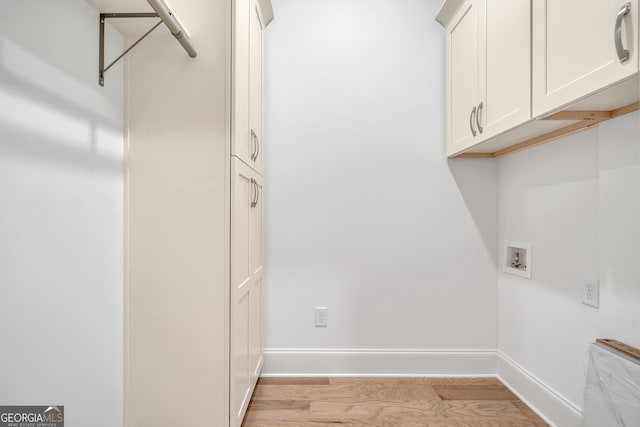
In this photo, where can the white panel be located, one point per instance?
(179, 175)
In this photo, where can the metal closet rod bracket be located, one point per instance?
(103, 16)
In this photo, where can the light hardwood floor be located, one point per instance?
(387, 402)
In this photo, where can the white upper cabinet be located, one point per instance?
(241, 142)
(580, 47)
(463, 80)
(524, 72)
(488, 69)
(255, 87)
(251, 17)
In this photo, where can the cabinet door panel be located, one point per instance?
(507, 93)
(255, 331)
(241, 368)
(256, 256)
(256, 233)
(574, 52)
(243, 195)
(255, 91)
(247, 231)
(242, 145)
(462, 85)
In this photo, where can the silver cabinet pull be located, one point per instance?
(257, 148)
(480, 129)
(257, 194)
(253, 189)
(473, 113)
(254, 140)
(252, 137)
(623, 54)
(254, 199)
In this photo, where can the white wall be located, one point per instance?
(577, 201)
(61, 192)
(363, 212)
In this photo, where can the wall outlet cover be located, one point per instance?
(321, 315)
(591, 293)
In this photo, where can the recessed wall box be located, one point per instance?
(517, 259)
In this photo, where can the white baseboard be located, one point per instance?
(552, 407)
(379, 362)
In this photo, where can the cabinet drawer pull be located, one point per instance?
(254, 142)
(623, 54)
(257, 148)
(257, 194)
(473, 113)
(254, 189)
(480, 129)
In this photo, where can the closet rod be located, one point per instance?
(174, 26)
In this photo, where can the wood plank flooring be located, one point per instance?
(387, 402)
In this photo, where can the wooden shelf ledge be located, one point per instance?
(625, 348)
(585, 120)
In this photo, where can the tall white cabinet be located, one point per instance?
(247, 198)
(194, 218)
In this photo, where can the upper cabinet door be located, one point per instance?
(488, 70)
(255, 86)
(242, 144)
(579, 47)
(247, 138)
(506, 96)
(463, 61)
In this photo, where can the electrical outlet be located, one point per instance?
(591, 293)
(321, 317)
